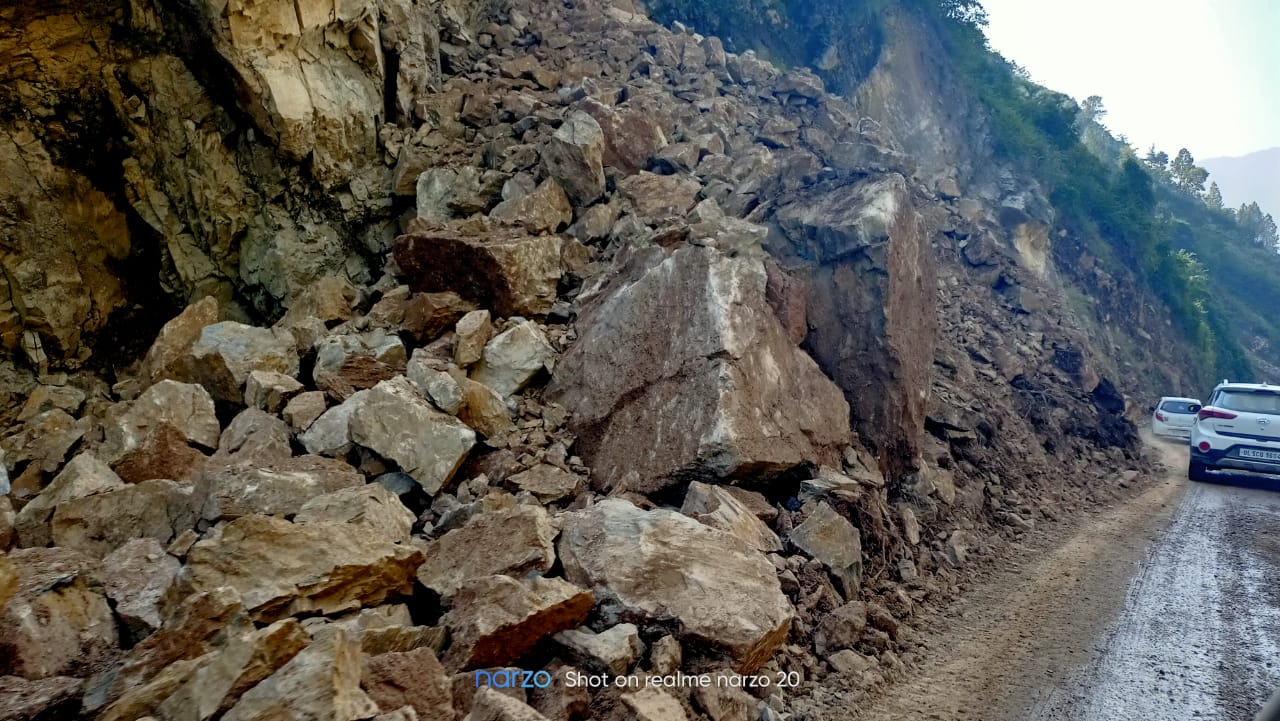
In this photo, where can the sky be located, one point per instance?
(1200, 74)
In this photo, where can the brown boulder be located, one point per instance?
(136, 577)
(321, 682)
(575, 158)
(658, 197)
(282, 569)
(725, 599)
(54, 625)
(871, 305)
(97, 525)
(496, 620)
(161, 452)
(188, 408)
(631, 137)
(718, 508)
(84, 476)
(414, 678)
(514, 542)
(47, 699)
(508, 271)
(682, 367)
(271, 488)
(170, 354)
(428, 315)
(376, 511)
(544, 210)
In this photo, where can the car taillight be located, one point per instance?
(1214, 413)
(1160, 417)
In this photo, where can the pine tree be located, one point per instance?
(1213, 198)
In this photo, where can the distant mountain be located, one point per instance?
(1253, 177)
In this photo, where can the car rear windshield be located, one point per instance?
(1250, 401)
(1179, 407)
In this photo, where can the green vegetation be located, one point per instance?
(1132, 216)
(1150, 218)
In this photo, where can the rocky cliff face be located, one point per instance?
(495, 336)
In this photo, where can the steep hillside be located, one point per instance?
(432, 340)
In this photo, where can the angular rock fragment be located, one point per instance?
(726, 598)
(651, 704)
(829, 537)
(321, 682)
(186, 407)
(718, 508)
(84, 475)
(547, 483)
(376, 511)
(474, 331)
(45, 699)
(330, 433)
(398, 424)
(490, 705)
(227, 352)
(135, 578)
(508, 271)
(254, 434)
(515, 542)
(53, 624)
(279, 487)
(575, 158)
(496, 620)
(613, 651)
(512, 358)
(170, 354)
(282, 569)
(269, 390)
(709, 384)
(97, 525)
(415, 679)
(545, 210)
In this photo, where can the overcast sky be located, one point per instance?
(1196, 73)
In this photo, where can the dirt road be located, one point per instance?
(1163, 608)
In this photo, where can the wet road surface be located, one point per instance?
(1199, 635)
(1163, 607)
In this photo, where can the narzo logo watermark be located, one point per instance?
(513, 678)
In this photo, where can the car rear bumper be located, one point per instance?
(1225, 460)
(1170, 432)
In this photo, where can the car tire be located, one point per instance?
(1198, 472)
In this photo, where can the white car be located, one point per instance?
(1238, 430)
(1174, 417)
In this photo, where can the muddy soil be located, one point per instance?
(1165, 606)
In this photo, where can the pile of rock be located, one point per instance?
(571, 427)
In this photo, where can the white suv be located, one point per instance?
(1175, 416)
(1238, 430)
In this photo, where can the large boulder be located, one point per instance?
(278, 487)
(135, 578)
(726, 597)
(282, 569)
(226, 353)
(515, 541)
(186, 407)
(871, 304)
(170, 354)
(717, 507)
(831, 539)
(321, 682)
(506, 270)
(575, 158)
(396, 422)
(83, 476)
(54, 624)
(681, 369)
(513, 357)
(376, 511)
(412, 678)
(99, 524)
(496, 620)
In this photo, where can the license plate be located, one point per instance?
(1260, 455)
